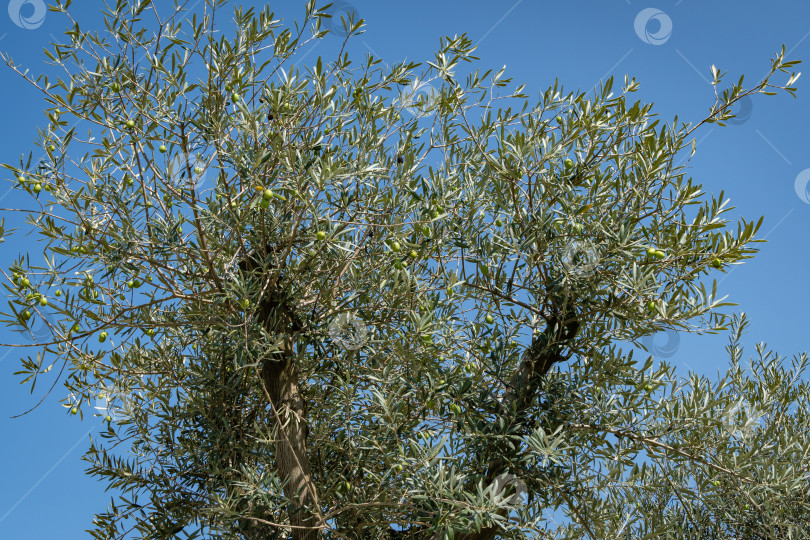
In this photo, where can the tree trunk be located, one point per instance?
(281, 380)
(537, 361)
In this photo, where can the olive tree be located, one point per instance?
(746, 432)
(353, 300)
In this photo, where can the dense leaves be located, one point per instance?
(353, 301)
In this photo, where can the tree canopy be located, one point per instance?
(350, 300)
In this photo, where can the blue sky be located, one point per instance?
(756, 161)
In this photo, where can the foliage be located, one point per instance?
(226, 206)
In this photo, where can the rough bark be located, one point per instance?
(538, 359)
(280, 379)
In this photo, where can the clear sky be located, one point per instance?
(758, 161)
